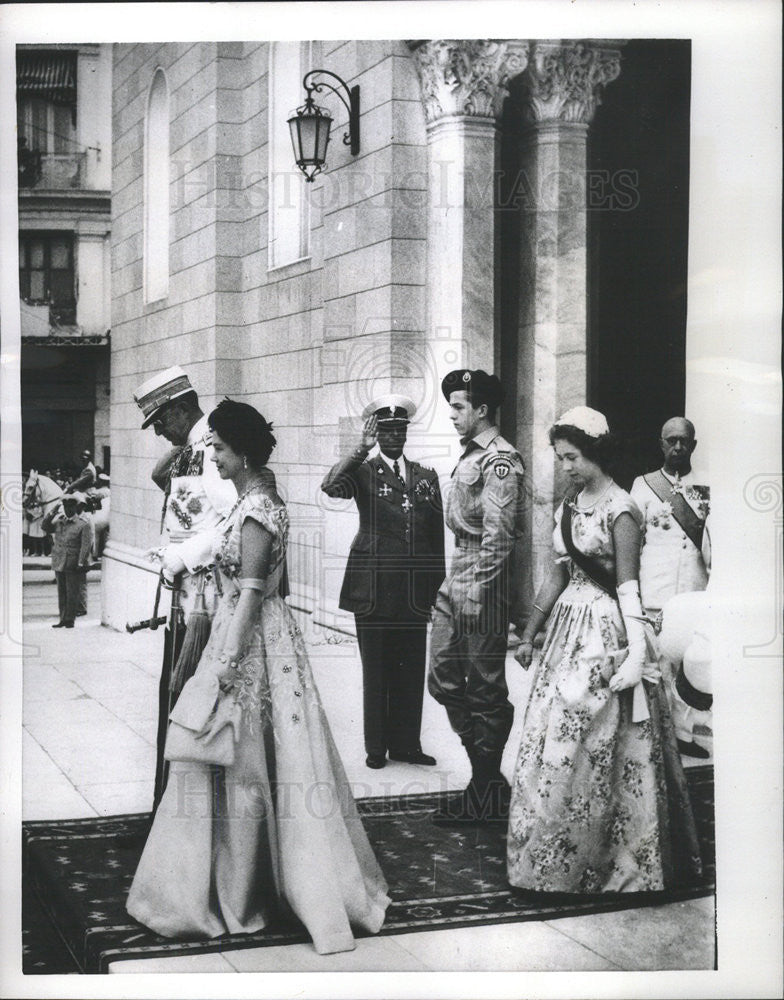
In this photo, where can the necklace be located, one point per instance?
(590, 506)
(248, 489)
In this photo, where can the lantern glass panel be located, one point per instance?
(322, 139)
(309, 137)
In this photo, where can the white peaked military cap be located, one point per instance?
(391, 407)
(159, 390)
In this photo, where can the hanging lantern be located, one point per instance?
(309, 127)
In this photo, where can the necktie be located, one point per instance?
(396, 470)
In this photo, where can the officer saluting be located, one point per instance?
(472, 612)
(395, 566)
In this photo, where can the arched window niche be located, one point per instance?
(289, 208)
(156, 191)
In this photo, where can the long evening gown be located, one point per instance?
(232, 849)
(599, 801)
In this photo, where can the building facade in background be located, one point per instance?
(516, 205)
(64, 99)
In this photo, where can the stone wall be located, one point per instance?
(308, 343)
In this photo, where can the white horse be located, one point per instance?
(40, 495)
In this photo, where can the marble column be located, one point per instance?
(464, 83)
(561, 88)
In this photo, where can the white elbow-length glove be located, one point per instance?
(630, 672)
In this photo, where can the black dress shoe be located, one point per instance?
(376, 761)
(68, 624)
(59, 625)
(693, 750)
(413, 757)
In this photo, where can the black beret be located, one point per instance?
(478, 384)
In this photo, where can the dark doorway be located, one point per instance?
(58, 405)
(638, 198)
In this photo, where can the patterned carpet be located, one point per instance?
(77, 874)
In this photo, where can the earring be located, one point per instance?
(244, 461)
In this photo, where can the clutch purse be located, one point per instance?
(203, 724)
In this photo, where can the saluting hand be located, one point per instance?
(369, 432)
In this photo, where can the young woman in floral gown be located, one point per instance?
(599, 798)
(234, 848)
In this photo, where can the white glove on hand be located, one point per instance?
(630, 671)
(171, 563)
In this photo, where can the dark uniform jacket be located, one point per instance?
(72, 541)
(396, 562)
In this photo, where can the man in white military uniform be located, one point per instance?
(675, 556)
(196, 500)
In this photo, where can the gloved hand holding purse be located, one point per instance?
(203, 724)
(631, 670)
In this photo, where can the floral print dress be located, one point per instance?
(232, 849)
(599, 801)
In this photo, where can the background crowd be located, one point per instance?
(43, 493)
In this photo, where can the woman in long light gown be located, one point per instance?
(599, 798)
(232, 849)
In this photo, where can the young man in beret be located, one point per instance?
(473, 608)
(394, 569)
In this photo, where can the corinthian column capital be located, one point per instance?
(564, 79)
(467, 77)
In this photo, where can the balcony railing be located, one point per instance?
(43, 319)
(53, 171)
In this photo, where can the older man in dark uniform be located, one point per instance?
(474, 605)
(395, 567)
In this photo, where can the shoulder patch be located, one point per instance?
(502, 467)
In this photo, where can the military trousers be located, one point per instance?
(82, 608)
(68, 587)
(393, 682)
(467, 672)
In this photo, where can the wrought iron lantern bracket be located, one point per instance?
(351, 137)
